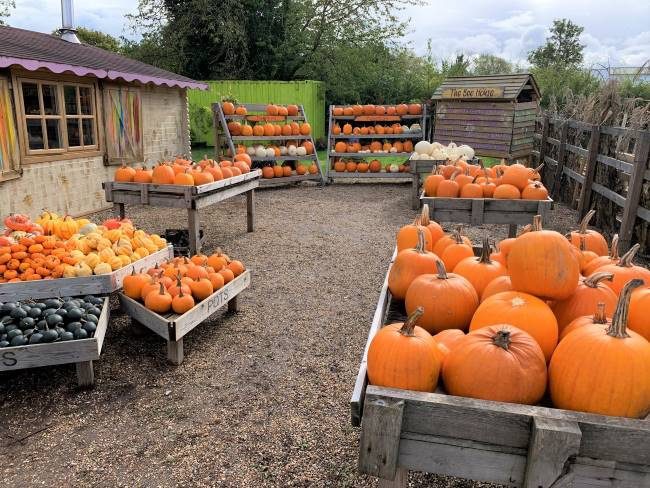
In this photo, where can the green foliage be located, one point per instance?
(5, 9)
(562, 48)
(96, 38)
(488, 64)
(638, 89)
(557, 83)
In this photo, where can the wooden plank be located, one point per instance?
(209, 199)
(308, 157)
(609, 194)
(473, 127)
(573, 174)
(621, 132)
(577, 150)
(380, 437)
(250, 211)
(403, 135)
(85, 373)
(496, 119)
(482, 92)
(287, 180)
(550, 161)
(386, 175)
(175, 351)
(552, 443)
(590, 172)
(189, 320)
(622, 166)
(146, 317)
(299, 137)
(553, 141)
(467, 132)
(635, 186)
(555, 186)
(478, 208)
(400, 481)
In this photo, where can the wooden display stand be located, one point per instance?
(420, 169)
(257, 113)
(394, 177)
(479, 211)
(172, 327)
(82, 352)
(193, 198)
(89, 285)
(504, 443)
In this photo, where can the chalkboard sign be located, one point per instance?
(476, 92)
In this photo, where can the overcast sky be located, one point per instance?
(616, 32)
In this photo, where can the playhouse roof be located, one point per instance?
(512, 86)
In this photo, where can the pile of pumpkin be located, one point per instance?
(232, 108)
(377, 110)
(290, 148)
(267, 129)
(68, 248)
(462, 180)
(405, 146)
(378, 129)
(280, 171)
(182, 282)
(355, 166)
(544, 313)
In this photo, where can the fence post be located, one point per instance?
(560, 160)
(634, 187)
(590, 171)
(542, 144)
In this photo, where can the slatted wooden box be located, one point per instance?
(509, 444)
(419, 169)
(173, 327)
(90, 285)
(82, 352)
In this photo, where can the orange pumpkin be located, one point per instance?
(407, 236)
(455, 252)
(599, 319)
(480, 271)
(518, 175)
(408, 265)
(183, 302)
(124, 173)
(159, 300)
(163, 174)
(506, 192)
(611, 258)
(431, 184)
(593, 240)
(625, 271)
(497, 285)
(447, 339)
(374, 166)
(435, 229)
(534, 191)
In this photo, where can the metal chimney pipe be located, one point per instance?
(67, 30)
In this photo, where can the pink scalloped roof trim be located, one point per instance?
(33, 65)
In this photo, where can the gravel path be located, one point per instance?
(262, 396)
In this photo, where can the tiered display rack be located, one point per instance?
(362, 119)
(257, 113)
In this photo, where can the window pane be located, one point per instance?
(50, 105)
(70, 95)
(35, 134)
(86, 99)
(89, 132)
(30, 99)
(53, 134)
(73, 133)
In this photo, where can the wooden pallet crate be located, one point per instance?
(81, 352)
(478, 211)
(89, 285)
(419, 169)
(514, 445)
(173, 327)
(193, 198)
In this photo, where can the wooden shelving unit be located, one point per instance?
(361, 120)
(257, 113)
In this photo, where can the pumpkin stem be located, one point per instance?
(613, 249)
(502, 339)
(599, 316)
(411, 321)
(537, 223)
(456, 236)
(539, 168)
(485, 252)
(524, 229)
(442, 272)
(424, 216)
(593, 280)
(583, 244)
(582, 228)
(619, 320)
(162, 288)
(626, 259)
(420, 247)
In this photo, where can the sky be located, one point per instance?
(617, 33)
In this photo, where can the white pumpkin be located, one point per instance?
(250, 150)
(283, 150)
(292, 150)
(88, 228)
(393, 149)
(423, 147)
(270, 153)
(405, 128)
(393, 168)
(416, 128)
(467, 152)
(260, 152)
(301, 151)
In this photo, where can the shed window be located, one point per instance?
(58, 117)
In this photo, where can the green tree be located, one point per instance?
(458, 66)
(5, 9)
(97, 38)
(488, 64)
(562, 47)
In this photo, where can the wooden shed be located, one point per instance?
(494, 114)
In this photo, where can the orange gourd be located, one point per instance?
(534, 191)
(447, 339)
(611, 258)
(448, 300)
(236, 267)
(124, 173)
(183, 302)
(407, 236)
(227, 274)
(133, 283)
(163, 174)
(143, 175)
(506, 192)
(217, 280)
(480, 271)
(594, 241)
(408, 265)
(455, 252)
(184, 178)
(497, 285)
(614, 381)
(374, 166)
(435, 229)
(159, 300)
(431, 184)
(625, 271)
(201, 288)
(599, 319)
(518, 175)
(405, 356)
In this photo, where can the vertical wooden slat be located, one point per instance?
(560, 160)
(542, 145)
(641, 150)
(590, 171)
(250, 211)
(194, 229)
(85, 374)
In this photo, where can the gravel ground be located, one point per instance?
(262, 396)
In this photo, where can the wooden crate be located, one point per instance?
(478, 211)
(90, 285)
(514, 445)
(172, 327)
(82, 352)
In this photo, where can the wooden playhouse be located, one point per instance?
(494, 114)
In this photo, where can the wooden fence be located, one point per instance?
(606, 168)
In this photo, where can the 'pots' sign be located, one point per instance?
(485, 92)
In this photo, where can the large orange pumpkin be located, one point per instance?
(593, 241)
(124, 173)
(500, 363)
(598, 318)
(583, 301)
(497, 285)
(611, 258)
(448, 300)
(518, 175)
(455, 252)
(482, 270)
(625, 270)
(404, 356)
(408, 265)
(639, 314)
(449, 239)
(431, 184)
(605, 372)
(407, 236)
(541, 263)
(522, 310)
(447, 339)
(163, 174)
(434, 227)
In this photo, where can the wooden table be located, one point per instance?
(193, 198)
(504, 443)
(172, 327)
(82, 352)
(478, 211)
